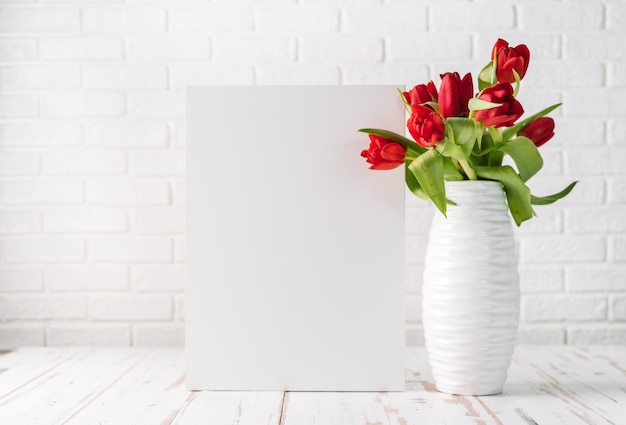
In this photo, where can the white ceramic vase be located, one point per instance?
(471, 290)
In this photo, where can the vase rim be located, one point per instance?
(474, 182)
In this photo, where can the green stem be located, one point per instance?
(471, 174)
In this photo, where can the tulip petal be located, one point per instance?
(393, 152)
(500, 44)
(386, 165)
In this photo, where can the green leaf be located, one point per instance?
(517, 193)
(413, 184)
(488, 149)
(494, 67)
(478, 129)
(488, 153)
(433, 105)
(546, 200)
(428, 171)
(496, 135)
(525, 154)
(407, 143)
(477, 158)
(464, 134)
(510, 132)
(485, 77)
(450, 171)
(449, 149)
(518, 82)
(410, 156)
(495, 159)
(407, 105)
(476, 104)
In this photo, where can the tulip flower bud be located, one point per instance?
(421, 94)
(504, 115)
(539, 131)
(509, 59)
(454, 94)
(426, 127)
(384, 154)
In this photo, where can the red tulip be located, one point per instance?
(384, 154)
(539, 131)
(509, 59)
(500, 116)
(454, 94)
(426, 126)
(421, 94)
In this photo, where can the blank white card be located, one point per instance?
(295, 249)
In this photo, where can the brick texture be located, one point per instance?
(92, 138)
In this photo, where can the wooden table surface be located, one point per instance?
(119, 386)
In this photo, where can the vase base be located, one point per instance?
(468, 391)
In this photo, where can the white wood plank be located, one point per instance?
(302, 408)
(561, 385)
(26, 365)
(546, 385)
(420, 403)
(152, 392)
(231, 407)
(556, 385)
(56, 396)
(553, 385)
(393, 408)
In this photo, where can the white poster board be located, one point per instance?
(295, 249)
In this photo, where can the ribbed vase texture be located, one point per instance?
(471, 291)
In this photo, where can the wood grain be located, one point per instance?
(119, 386)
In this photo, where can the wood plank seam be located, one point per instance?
(283, 408)
(35, 378)
(183, 407)
(91, 397)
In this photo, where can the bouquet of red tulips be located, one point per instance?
(460, 135)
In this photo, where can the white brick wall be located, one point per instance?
(92, 191)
